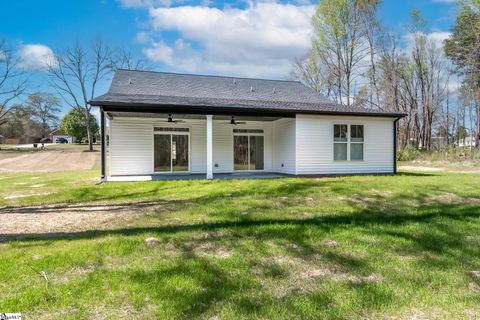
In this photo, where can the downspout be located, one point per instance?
(395, 145)
(102, 138)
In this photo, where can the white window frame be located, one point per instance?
(171, 133)
(348, 142)
(341, 142)
(259, 134)
(355, 142)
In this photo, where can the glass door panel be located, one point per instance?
(162, 153)
(179, 152)
(256, 153)
(240, 152)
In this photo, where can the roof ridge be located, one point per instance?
(208, 75)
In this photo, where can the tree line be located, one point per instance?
(74, 74)
(358, 62)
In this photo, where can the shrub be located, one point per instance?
(409, 153)
(450, 154)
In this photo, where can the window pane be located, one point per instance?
(340, 132)
(356, 133)
(256, 152)
(339, 151)
(240, 152)
(179, 153)
(162, 152)
(356, 151)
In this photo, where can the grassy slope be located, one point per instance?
(404, 246)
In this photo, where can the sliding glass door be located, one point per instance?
(248, 152)
(170, 151)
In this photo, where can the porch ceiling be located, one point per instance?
(113, 114)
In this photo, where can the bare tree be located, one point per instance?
(44, 108)
(76, 73)
(313, 73)
(126, 59)
(13, 81)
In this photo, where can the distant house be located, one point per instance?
(467, 142)
(55, 134)
(163, 124)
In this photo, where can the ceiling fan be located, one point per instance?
(170, 119)
(234, 122)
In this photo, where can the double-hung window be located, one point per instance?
(348, 142)
(356, 142)
(340, 142)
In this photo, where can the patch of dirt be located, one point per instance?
(299, 274)
(20, 221)
(474, 287)
(421, 168)
(72, 273)
(208, 249)
(449, 198)
(15, 196)
(330, 243)
(49, 161)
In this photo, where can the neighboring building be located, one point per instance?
(467, 142)
(166, 123)
(55, 134)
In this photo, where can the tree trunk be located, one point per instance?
(477, 129)
(89, 131)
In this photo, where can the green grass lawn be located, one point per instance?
(395, 247)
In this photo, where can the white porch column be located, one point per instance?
(209, 147)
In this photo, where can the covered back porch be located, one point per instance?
(146, 145)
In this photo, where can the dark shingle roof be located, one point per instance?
(145, 88)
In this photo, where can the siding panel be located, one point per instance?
(131, 145)
(314, 145)
(284, 146)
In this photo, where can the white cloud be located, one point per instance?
(445, 1)
(260, 40)
(436, 37)
(454, 85)
(160, 52)
(35, 57)
(142, 37)
(144, 3)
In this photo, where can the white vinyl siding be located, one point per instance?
(284, 146)
(315, 145)
(301, 145)
(131, 145)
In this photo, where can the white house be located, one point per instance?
(56, 134)
(166, 124)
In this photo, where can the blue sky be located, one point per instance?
(241, 38)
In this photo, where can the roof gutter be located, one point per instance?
(216, 110)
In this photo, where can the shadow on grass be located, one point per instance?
(194, 286)
(362, 218)
(415, 174)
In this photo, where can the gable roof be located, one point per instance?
(197, 92)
